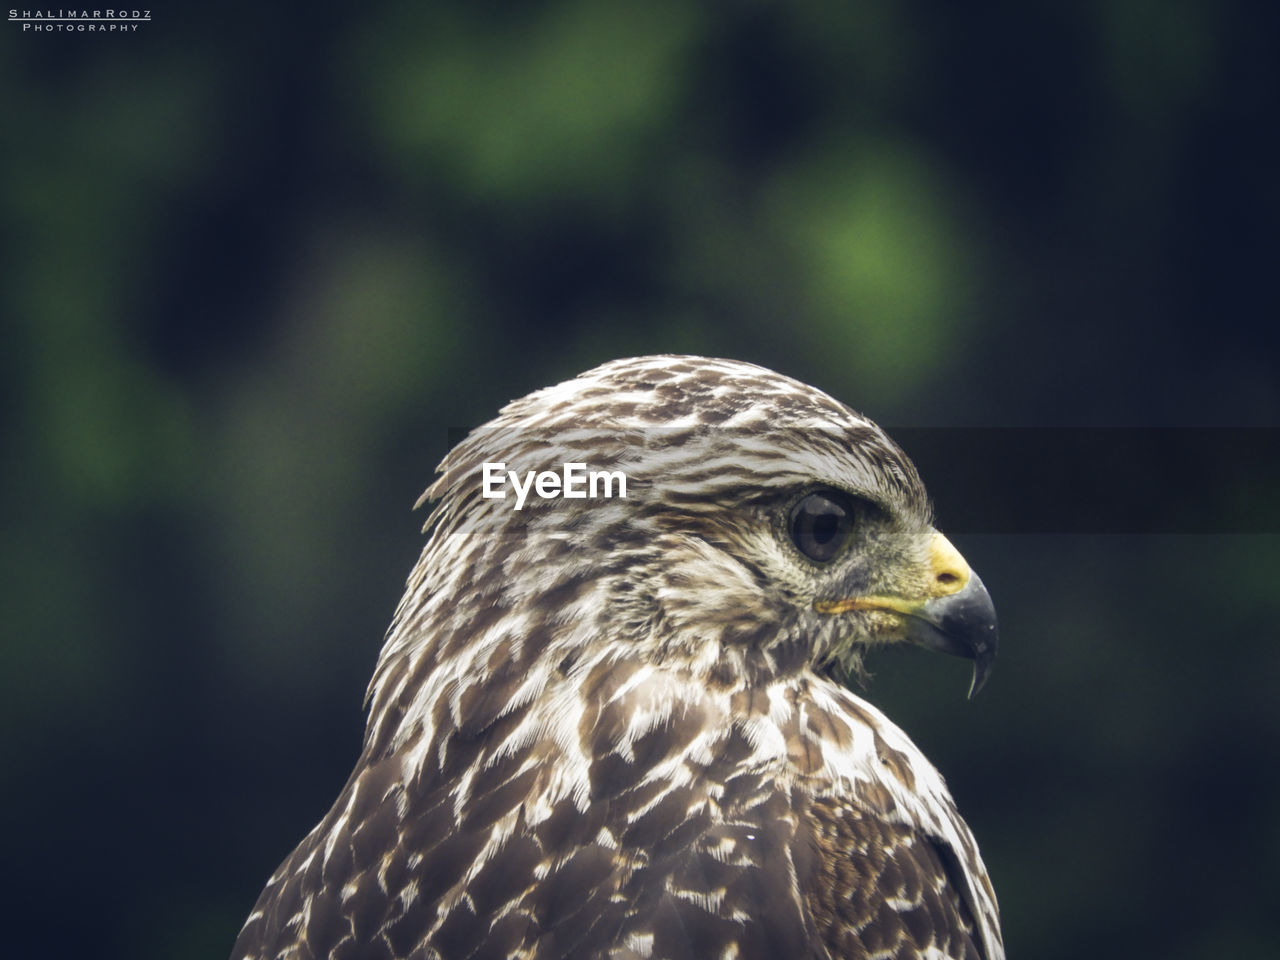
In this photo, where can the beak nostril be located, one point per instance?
(947, 568)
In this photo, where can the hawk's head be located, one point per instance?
(766, 529)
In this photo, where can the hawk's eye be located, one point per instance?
(820, 524)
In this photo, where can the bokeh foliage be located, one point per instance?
(258, 261)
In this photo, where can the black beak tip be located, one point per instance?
(964, 624)
(984, 661)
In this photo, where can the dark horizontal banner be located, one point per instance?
(1095, 480)
(1100, 479)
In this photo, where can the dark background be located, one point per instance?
(256, 261)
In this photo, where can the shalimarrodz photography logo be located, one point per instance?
(66, 20)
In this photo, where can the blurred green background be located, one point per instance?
(256, 261)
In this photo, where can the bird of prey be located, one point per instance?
(608, 726)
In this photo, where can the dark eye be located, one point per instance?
(820, 524)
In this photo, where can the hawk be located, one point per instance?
(619, 726)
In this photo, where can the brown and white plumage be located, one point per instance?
(616, 728)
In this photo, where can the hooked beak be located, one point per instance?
(956, 616)
(963, 625)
